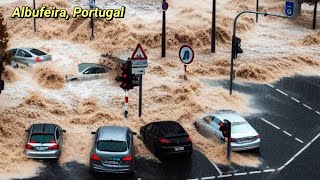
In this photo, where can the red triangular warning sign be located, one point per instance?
(139, 54)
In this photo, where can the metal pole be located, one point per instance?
(1, 71)
(257, 9)
(163, 49)
(213, 29)
(92, 28)
(140, 96)
(315, 15)
(126, 101)
(34, 19)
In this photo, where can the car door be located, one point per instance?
(216, 123)
(148, 136)
(100, 72)
(89, 73)
(24, 57)
(58, 135)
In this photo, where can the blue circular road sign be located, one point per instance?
(165, 6)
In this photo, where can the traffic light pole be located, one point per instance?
(140, 96)
(213, 29)
(257, 9)
(34, 19)
(234, 48)
(1, 71)
(92, 28)
(228, 129)
(163, 42)
(126, 102)
(315, 14)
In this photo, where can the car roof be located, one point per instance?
(84, 66)
(43, 128)
(116, 133)
(169, 128)
(232, 117)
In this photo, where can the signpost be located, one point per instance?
(289, 8)
(213, 28)
(186, 55)
(1, 71)
(34, 19)
(165, 6)
(92, 5)
(139, 61)
(315, 14)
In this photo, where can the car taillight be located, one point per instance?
(188, 139)
(233, 139)
(37, 59)
(127, 158)
(95, 157)
(258, 136)
(52, 141)
(28, 146)
(165, 141)
(56, 146)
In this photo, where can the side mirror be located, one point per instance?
(64, 131)
(93, 132)
(134, 133)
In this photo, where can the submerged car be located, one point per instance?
(113, 150)
(243, 136)
(87, 71)
(44, 141)
(166, 139)
(28, 56)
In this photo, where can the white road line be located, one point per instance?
(288, 162)
(270, 123)
(217, 168)
(268, 170)
(299, 140)
(194, 179)
(318, 112)
(206, 178)
(287, 133)
(240, 174)
(139, 178)
(254, 172)
(280, 168)
(296, 100)
(307, 106)
(282, 92)
(270, 85)
(226, 175)
(315, 138)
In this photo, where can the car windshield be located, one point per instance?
(37, 52)
(84, 66)
(42, 138)
(112, 146)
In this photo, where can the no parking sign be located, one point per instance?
(186, 55)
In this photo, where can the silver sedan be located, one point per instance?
(113, 150)
(29, 56)
(243, 136)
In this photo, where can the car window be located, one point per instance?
(217, 121)
(154, 130)
(13, 51)
(128, 139)
(90, 71)
(100, 70)
(42, 138)
(57, 133)
(23, 53)
(112, 146)
(37, 52)
(149, 127)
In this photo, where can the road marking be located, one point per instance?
(296, 100)
(254, 172)
(307, 106)
(270, 123)
(280, 168)
(287, 133)
(226, 175)
(211, 177)
(318, 112)
(240, 174)
(315, 138)
(288, 162)
(270, 85)
(282, 92)
(299, 140)
(269, 170)
(217, 168)
(194, 179)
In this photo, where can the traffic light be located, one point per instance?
(126, 76)
(236, 47)
(1, 71)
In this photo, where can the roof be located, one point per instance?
(232, 117)
(169, 128)
(43, 128)
(116, 133)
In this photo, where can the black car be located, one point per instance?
(166, 139)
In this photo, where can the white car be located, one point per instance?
(243, 136)
(88, 71)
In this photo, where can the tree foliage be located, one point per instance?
(4, 39)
